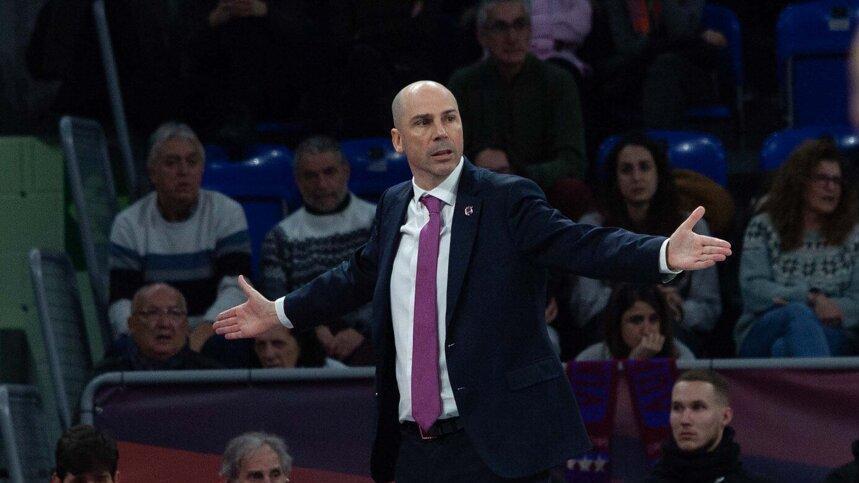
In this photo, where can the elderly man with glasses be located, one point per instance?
(521, 110)
(158, 326)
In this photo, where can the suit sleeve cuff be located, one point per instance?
(281, 313)
(663, 260)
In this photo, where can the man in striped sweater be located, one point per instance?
(193, 239)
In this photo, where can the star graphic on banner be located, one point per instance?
(599, 464)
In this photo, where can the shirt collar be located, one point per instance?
(446, 191)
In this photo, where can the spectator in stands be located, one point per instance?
(331, 225)
(494, 158)
(279, 347)
(702, 446)
(651, 61)
(636, 327)
(194, 239)
(559, 28)
(798, 274)
(254, 457)
(86, 455)
(640, 195)
(158, 327)
(515, 100)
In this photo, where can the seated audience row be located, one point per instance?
(699, 447)
(197, 241)
(85, 454)
(797, 275)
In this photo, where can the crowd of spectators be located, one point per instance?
(527, 102)
(539, 85)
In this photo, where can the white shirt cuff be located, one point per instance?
(281, 313)
(663, 260)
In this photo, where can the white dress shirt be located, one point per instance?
(403, 290)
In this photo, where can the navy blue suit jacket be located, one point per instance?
(516, 405)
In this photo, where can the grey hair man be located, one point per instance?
(331, 225)
(531, 107)
(256, 457)
(194, 239)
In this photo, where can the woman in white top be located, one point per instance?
(634, 327)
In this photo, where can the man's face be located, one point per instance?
(507, 33)
(429, 132)
(263, 465)
(277, 348)
(177, 172)
(698, 416)
(159, 324)
(322, 180)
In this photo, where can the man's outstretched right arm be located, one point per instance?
(333, 294)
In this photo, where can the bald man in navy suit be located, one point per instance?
(499, 407)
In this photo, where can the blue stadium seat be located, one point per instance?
(724, 20)
(215, 153)
(778, 146)
(263, 185)
(375, 165)
(263, 149)
(813, 41)
(695, 151)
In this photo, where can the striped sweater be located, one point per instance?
(201, 256)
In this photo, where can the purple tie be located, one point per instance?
(426, 396)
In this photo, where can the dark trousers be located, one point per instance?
(450, 458)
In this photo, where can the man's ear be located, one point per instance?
(727, 415)
(116, 477)
(397, 140)
(56, 478)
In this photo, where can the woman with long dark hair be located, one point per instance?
(640, 196)
(636, 327)
(798, 273)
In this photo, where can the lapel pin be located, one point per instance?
(469, 210)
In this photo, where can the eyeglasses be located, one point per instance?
(170, 314)
(500, 27)
(825, 179)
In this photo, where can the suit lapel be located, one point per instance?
(389, 236)
(466, 217)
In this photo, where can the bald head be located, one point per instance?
(407, 94)
(146, 292)
(428, 130)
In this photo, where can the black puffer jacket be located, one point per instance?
(722, 465)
